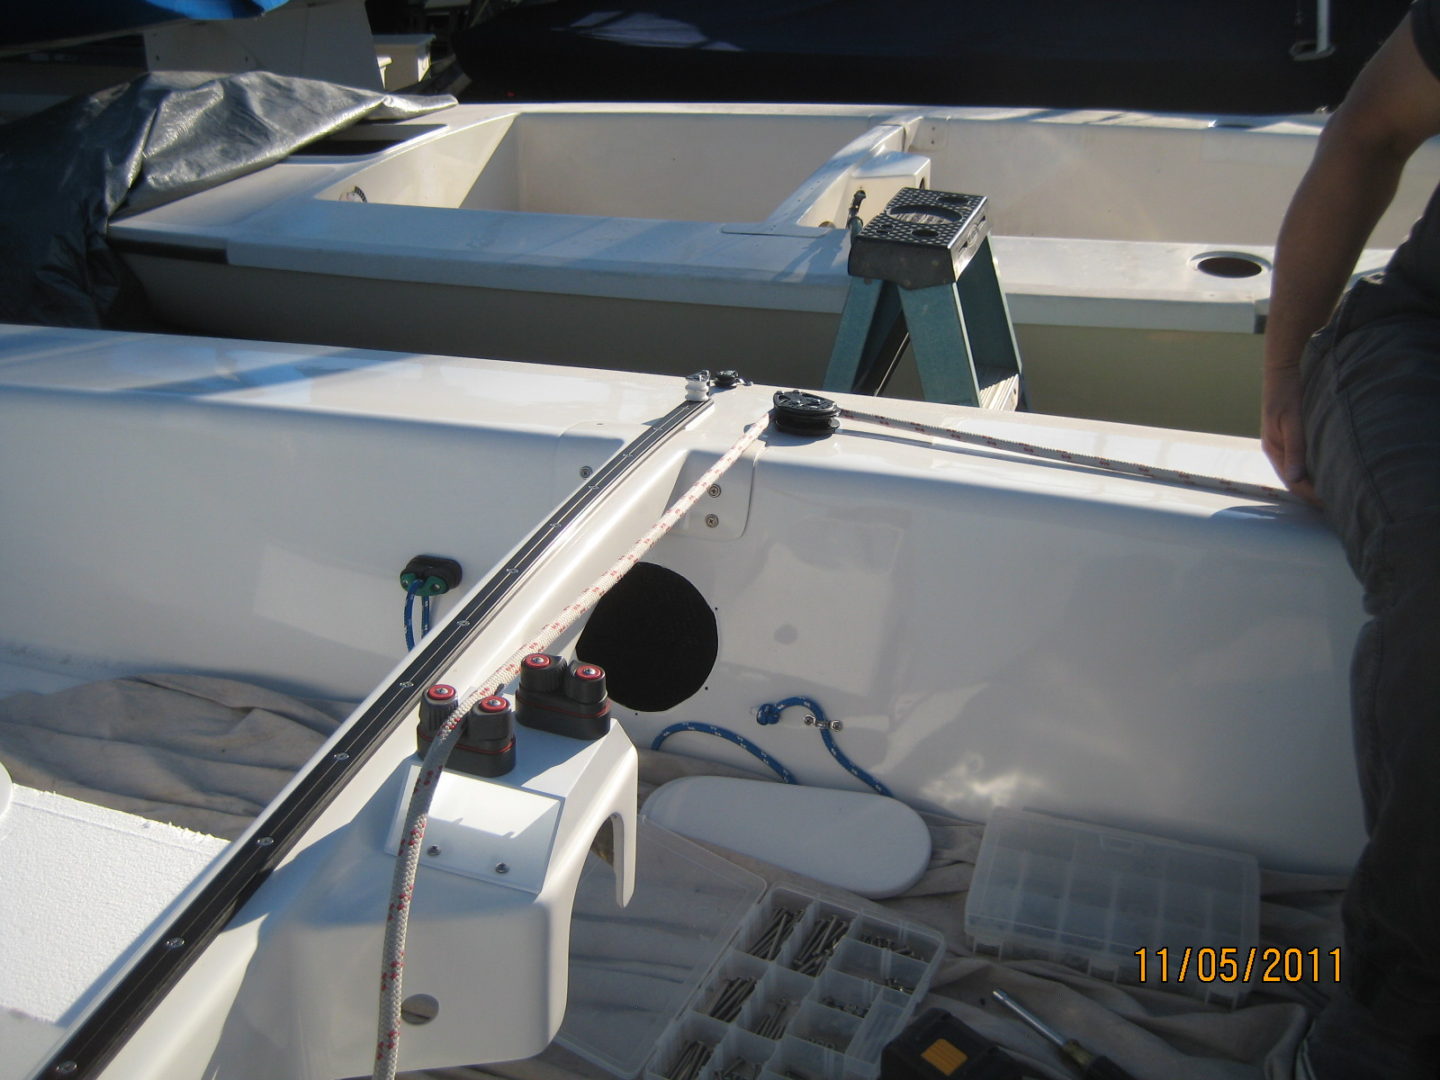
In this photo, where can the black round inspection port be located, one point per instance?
(656, 637)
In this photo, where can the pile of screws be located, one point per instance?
(774, 1020)
(739, 1070)
(892, 945)
(828, 1042)
(691, 1059)
(851, 1007)
(820, 944)
(767, 946)
(730, 997)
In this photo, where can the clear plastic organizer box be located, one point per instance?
(1093, 897)
(708, 974)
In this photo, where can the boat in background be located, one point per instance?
(992, 629)
(1134, 249)
(71, 48)
(1167, 55)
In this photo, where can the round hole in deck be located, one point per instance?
(655, 636)
(419, 1009)
(1230, 264)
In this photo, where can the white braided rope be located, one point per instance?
(412, 835)
(1149, 472)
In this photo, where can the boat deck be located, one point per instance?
(943, 602)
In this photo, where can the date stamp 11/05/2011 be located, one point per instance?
(1239, 965)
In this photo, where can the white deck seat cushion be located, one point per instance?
(869, 844)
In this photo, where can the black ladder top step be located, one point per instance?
(922, 238)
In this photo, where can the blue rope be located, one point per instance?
(724, 733)
(849, 766)
(410, 594)
(770, 714)
(425, 614)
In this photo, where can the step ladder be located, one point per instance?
(924, 266)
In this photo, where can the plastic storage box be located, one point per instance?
(706, 973)
(1106, 901)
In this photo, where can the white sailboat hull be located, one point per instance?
(991, 630)
(668, 238)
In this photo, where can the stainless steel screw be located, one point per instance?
(419, 1009)
(175, 943)
(501, 868)
(264, 841)
(713, 491)
(432, 850)
(585, 471)
(712, 520)
(340, 755)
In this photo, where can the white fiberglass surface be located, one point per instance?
(1117, 651)
(989, 631)
(1051, 173)
(165, 512)
(674, 167)
(245, 545)
(1131, 177)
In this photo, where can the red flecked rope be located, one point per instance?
(1149, 472)
(412, 835)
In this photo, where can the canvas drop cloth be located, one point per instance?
(207, 754)
(202, 753)
(126, 791)
(1155, 1034)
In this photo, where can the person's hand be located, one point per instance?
(1282, 431)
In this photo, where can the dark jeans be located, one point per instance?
(1372, 422)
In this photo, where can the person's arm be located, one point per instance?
(1393, 106)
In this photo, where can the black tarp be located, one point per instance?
(66, 171)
